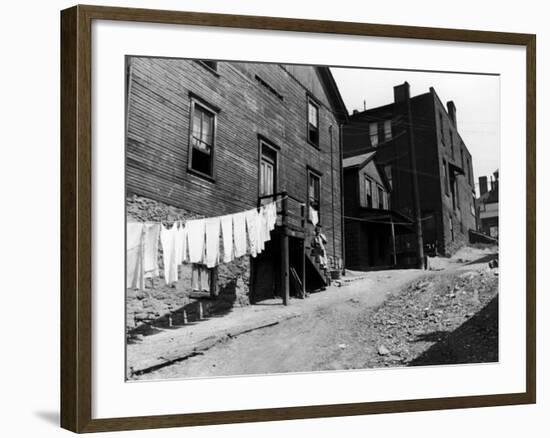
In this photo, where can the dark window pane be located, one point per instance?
(201, 162)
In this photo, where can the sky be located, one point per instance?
(476, 97)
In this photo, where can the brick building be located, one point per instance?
(487, 205)
(443, 163)
(209, 138)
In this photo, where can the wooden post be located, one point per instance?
(285, 262)
(393, 242)
(184, 317)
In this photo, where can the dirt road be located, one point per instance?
(389, 318)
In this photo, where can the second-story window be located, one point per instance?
(268, 162)
(373, 133)
(314, 192)
(381, 196)
(203, 126)
(312, 122)
(368, 192)
(387, 130)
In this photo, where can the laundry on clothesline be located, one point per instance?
(202, 242)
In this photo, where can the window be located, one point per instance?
(388, 172)
(368, 192)
(380, 198)
(210, 65)
(267, 170)
(314, 191)
(451, 229)
(469, 171)
(386, 201)
(452, 143)
(387, 130)
(374, 196)
(203, 125)
(312, 122)
(445, 178)
(373, 132)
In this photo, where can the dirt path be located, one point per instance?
(389, 318)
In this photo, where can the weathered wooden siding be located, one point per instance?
(158, 136)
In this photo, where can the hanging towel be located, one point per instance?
(263, 228)
(212, 227)
(227, 236)
(180, 243)
(168, 242)
(252, 231)
(151, 237)
(272, 215)
(195, 240)
(313, 216)
(239, 234)
(134, 255)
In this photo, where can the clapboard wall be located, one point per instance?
(158, 121)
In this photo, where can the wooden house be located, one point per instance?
(212, 138)
(373, 231)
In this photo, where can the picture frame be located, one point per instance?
(76, 218)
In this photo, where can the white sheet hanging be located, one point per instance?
(239, 234)
(195, 240)
(134, 255)
(151, 236)
(212, 230)
(168, 242)
(227, 237)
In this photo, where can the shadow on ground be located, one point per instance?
(201, 309)
(484, 259)
(475, 341)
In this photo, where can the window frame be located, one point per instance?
(368, 198)
(390, 130)
(375, 134)
(205, 107)
(312, 172)
(311, 101)
(274, 150)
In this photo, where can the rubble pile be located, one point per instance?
(430, 313)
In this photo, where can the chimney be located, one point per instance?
(401, 92)
(355, 112)
(451, 110)
(482, 185)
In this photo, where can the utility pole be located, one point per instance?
(414, 178)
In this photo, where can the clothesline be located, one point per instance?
(173, 221)
(205, 241)
(385, 222)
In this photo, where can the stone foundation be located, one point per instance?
(162, 305)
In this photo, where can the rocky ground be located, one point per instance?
(383, 319)
(450, 318)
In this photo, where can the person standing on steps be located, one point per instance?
(318, 247)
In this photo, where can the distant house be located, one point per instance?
(487, 206)
(443, 164)
(207, 138)
(372, 229)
